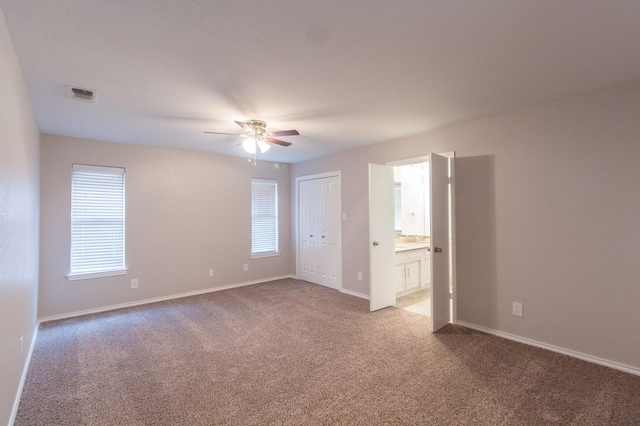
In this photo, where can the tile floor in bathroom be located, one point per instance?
(418, 302)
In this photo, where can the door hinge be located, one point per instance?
(451, 296)
(449, 180)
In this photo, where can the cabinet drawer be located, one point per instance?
(402, 256)
(417, 254)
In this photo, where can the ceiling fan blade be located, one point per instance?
(284, 133)
(219, 133)
(278, 141)
(244, 126)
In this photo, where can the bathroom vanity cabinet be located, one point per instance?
(411, 271)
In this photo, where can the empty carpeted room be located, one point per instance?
(285, 212)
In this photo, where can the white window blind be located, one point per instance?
(264, 216)
(97, 221)
(397, 206)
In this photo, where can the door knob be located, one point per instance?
(375, 243)
(438, 250)
(323, 236)
(311, 236)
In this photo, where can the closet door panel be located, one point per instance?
(320, 246)
(330, 253)
(309, 250)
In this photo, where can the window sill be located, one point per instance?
(76, 277)
(260, 255)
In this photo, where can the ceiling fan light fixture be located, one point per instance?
(263, 145)
(257, 138)
(249, 145)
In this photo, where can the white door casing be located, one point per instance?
(381, 237)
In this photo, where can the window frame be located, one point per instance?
(273, 217)
(397, 207)
(115, 212)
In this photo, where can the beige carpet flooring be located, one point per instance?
(289, 352)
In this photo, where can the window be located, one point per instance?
(264, 217)
(397, 207)
(97, 222)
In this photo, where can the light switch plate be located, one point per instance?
(516, 309)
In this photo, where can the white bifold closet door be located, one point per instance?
(319, 238)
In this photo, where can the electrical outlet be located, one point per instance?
(359, 276)
(210, 272)
(246, 267)
(516, 309)
(134, 283)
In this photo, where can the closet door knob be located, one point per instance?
(375, 243)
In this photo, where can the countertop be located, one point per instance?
(410, 246)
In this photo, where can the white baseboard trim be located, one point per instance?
(585, 357)
(23, 378)
(159, 299)
(353, 293)
(341, 290)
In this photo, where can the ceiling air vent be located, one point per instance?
(84, 95)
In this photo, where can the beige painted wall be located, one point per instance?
(548, 206)
(19, 144)
(187, 213)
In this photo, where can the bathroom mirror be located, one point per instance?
(411, 199)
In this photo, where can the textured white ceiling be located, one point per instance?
(343, 73)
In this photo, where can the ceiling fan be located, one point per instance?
(258, 138)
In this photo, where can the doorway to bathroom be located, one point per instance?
(412, 231)
(419, 241)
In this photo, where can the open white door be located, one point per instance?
(382, 292)
(439, 194)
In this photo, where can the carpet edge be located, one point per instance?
(158, 299)
(564, 351)
(353, 293)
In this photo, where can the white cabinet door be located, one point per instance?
(426, 270)
(412, 275)
(398, 278)
(409, 272)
